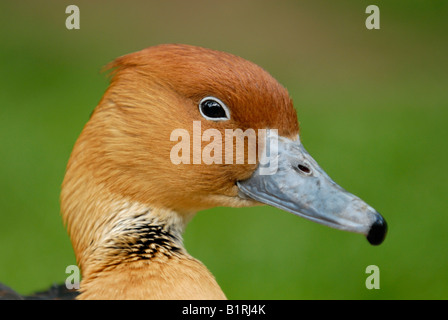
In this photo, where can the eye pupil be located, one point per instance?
(212, 109)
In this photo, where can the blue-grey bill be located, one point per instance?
(290, 179)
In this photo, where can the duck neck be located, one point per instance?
(134, 251)
(137, 233)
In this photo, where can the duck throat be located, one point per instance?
(135, 232)
(129, 250)
(143, 236)
(141, 256)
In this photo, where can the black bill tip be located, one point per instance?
(377, 231)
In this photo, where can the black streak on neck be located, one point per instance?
(144, 242)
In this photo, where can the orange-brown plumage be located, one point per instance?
(120, 176)
(126, 202)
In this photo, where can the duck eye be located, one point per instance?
(214, 109)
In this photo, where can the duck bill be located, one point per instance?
(288, 178)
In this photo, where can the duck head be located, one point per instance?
(167, 135)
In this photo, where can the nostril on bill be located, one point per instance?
(304, 169)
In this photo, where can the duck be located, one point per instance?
(131, 186)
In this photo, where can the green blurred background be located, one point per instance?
(373, 106)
